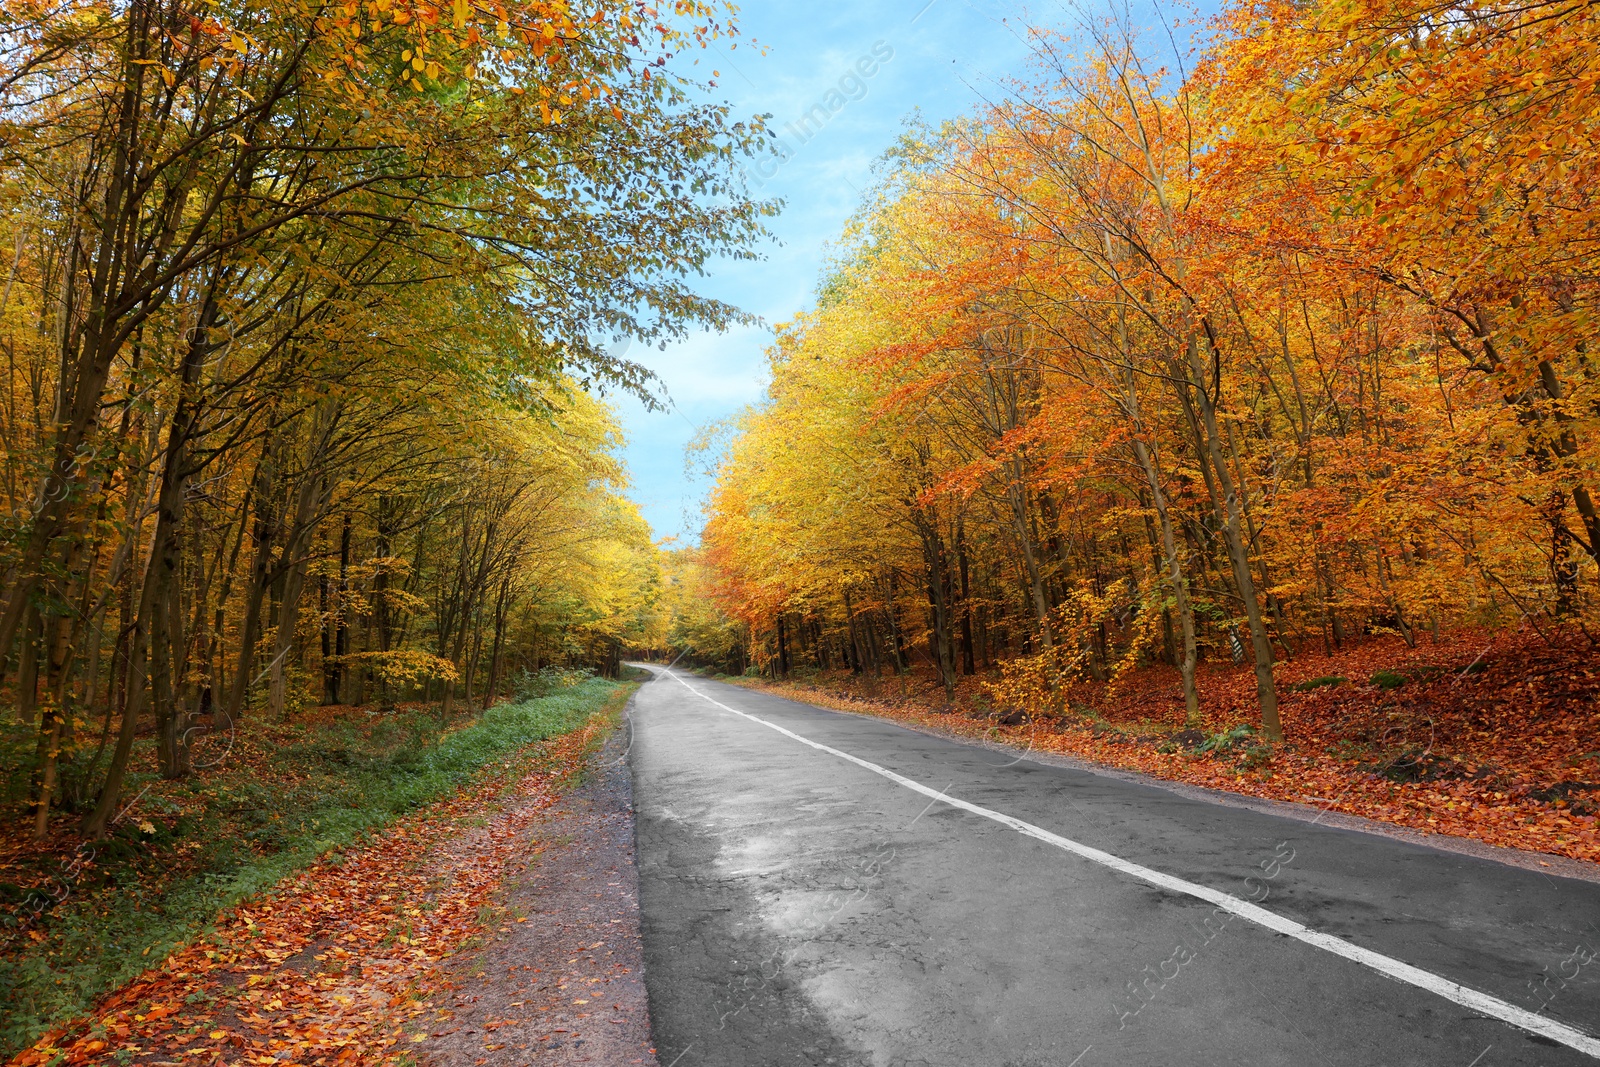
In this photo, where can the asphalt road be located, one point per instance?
(983, 911)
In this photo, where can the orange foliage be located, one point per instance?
(342, 962)
(1128, 370)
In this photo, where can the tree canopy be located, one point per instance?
(307, 312)
(1144, 365)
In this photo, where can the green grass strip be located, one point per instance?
(251, 834)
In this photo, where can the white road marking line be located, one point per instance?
(1388, 966)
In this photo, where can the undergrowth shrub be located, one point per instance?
(531, 685)
(1318, 683)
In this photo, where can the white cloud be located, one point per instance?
(711, 376)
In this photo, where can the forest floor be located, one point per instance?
(1488, 736)
(329, 942)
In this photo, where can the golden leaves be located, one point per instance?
(1382, 223)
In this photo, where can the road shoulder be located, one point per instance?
(561, 980)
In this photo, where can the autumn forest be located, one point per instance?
(1200, 404)
(302, 353)
(307, 315)
(1284, 351)
(1234, 405)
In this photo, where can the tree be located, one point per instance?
(271, 263)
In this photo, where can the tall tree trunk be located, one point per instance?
(901, 663)
(264, 491)
(51, 732)
(1128, 399)
(1233, 536)
(155, 604)
(330, 685)
(1176, 581)
(969, 664)
(940, 637)
(341, 618)
(283, 640)
(165, 634)
(1016, 492)
(502, 603)
(28, 666)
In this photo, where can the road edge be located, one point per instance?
(1524, 859)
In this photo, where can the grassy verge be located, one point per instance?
(287, 795)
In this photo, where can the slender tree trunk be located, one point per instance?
(330, 685)
(969, 664)
(1233, 536)
(901, 663)
(154, 603)
(341, 623)
(47, 777)
(501, 605)
(165, 634)
(264, 492)
(940, 637)
(28, 667)
(1017, 493)
(1176, 581)
(857, 660)
(283, 641)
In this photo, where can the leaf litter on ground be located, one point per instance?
(343, 962)
(1494, 737)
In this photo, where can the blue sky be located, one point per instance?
(946, 57)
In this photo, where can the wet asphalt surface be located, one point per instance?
(798, 909)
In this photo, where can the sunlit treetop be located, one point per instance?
(563, 52)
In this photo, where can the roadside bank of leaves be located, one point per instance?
(269, 798)
(1491, 738)
(339, 963)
